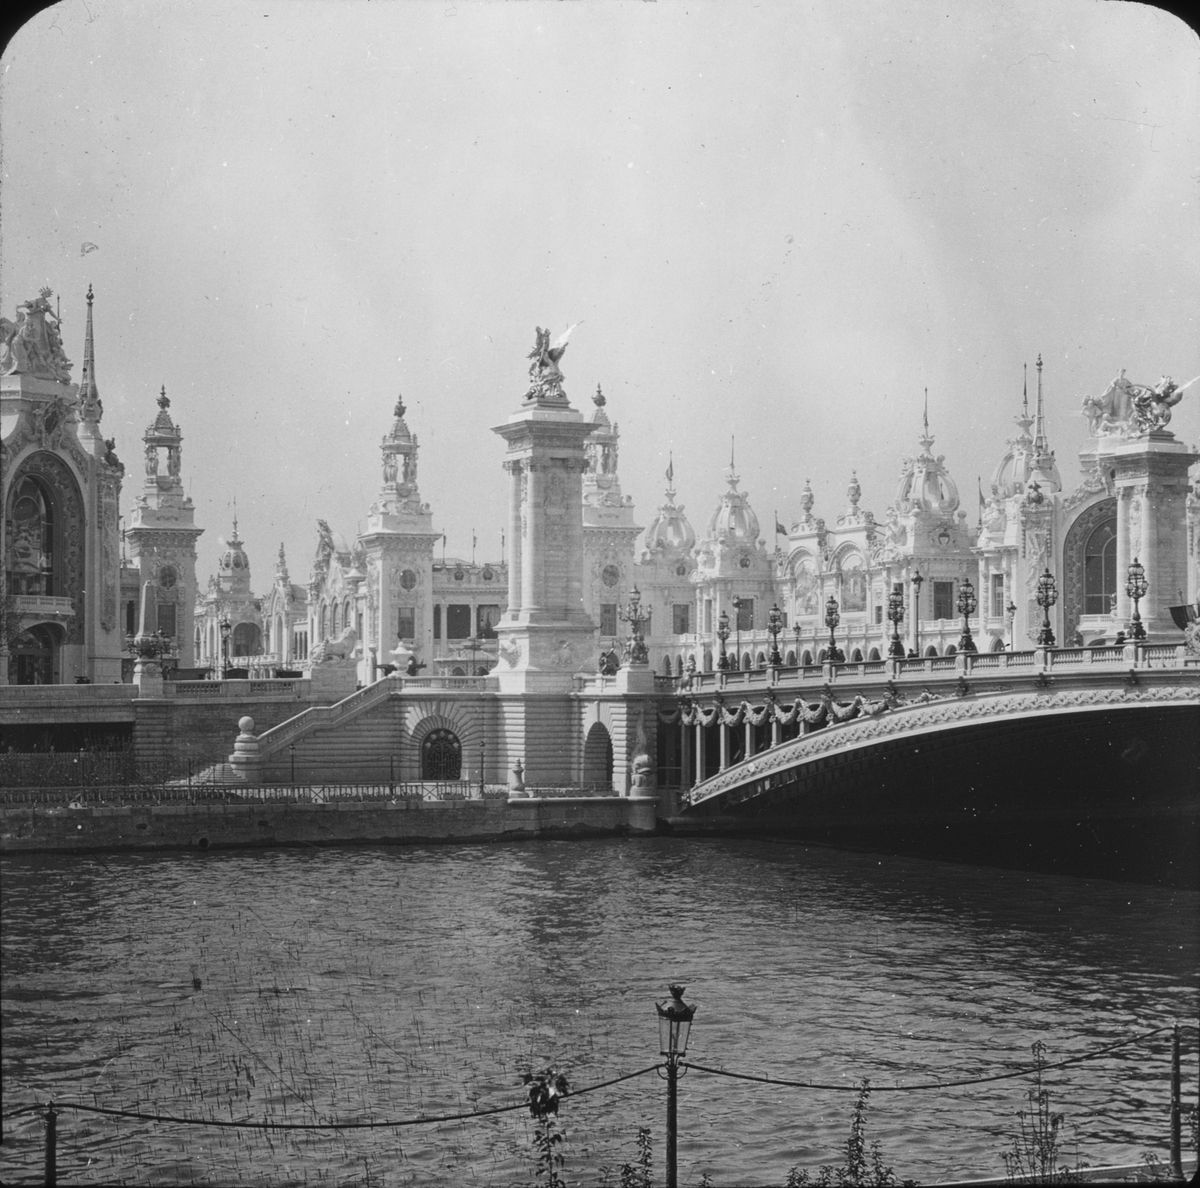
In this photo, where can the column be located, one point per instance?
(531, 583)
(1124, 603)
(748, 733)
(685, 757)
(724, 736)
(699, 773)
(515, 543)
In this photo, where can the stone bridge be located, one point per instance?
(1009, 755)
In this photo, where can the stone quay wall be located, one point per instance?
(249, 823)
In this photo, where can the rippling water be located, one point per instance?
(385, 983)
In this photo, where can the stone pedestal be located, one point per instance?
(333, 679)
(1150, 474)
(147, 675)
(245, 763)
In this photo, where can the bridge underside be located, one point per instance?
(1112, 794)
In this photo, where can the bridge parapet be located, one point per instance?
(981, 666)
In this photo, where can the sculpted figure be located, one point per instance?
(325, 547)
(389, 468)
(32, 344)
(151, 459)
(341, 648)
(545, 378)
(1129, 409)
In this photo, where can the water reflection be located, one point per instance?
(388, 982)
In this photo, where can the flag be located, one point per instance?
(780, 530)
(671, 470)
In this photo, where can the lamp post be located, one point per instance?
(1011, 611)
(723, 636)
(636, 649)
(473, 644)
(832, 619)
(737, 606)
(226, 628)
(895, 614)
(775, 626)
(1136, 587)
(917, 582)
(796, 629)
(966, 607)
(674, 1024)
(1047, 596)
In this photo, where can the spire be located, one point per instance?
(281, 569)
(670, 473)
(1039, 431)
(89, 394)
(926, 438)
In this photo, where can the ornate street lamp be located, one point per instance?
(796, 629)
(226, 629)
(1047, 596)
(775, 626)
(737, 660)
(635, 650)
(832, 619)
(917, 582)
(895, 614)
(966, 607)
(723, 636)
(1011, 611)
(1136, 587)
(674, 1025)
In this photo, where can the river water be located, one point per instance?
(386, 983)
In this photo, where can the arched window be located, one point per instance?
(856, 656)
(806, 659)
(930, 651)
(1100, 569)
(31, 544)
(441, 756)
(791, 659)
(666, 666)
(874, 654)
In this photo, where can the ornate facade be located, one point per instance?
(60, 486)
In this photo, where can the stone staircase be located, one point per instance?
(355, 740)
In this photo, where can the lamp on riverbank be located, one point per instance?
(674, 1026)
(723, 636)
(1136, 587)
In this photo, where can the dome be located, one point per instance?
(233, 555)
(670, 531)
(734, 519)
(925, 485)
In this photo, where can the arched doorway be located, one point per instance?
(33, 656)
(441, 756)
(1089, 577)
(598, 757)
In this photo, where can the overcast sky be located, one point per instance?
(777, 221)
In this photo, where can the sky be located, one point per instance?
(776, 223)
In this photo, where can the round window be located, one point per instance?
(745, 562)
(488, 573)
(408, 579)
(681, 570)
(458, 574)
(610, 575)
(167, 577)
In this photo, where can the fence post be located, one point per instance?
(51, 1153)
(1176, 1092)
